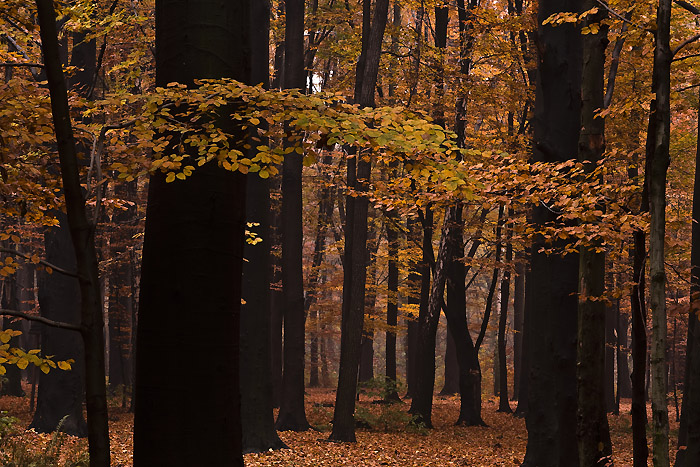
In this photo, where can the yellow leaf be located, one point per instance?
(2, 370)
(180, 176)
(22, 363)
(44, 367)
(64, 366)
(5, 337)
(170, 178)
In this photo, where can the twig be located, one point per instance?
(40, 319)
(41, 261)
(622, 18)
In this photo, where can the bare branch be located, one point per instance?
(39, 319)
(41, 261)
(622, 18)
(32, 65)
(688, 6)
(689, 40)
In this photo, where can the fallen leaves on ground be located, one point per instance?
(391, 442)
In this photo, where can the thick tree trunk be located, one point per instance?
(257, 420)
(551, 414)
(292, 415)
(193, 298)
(594, 445)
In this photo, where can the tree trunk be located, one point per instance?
(594, 445)
(451, 385)
(193, 298)
(551, 414)
(12, 383)
(689, 432)
(518, 317)
(83, 241)
(392, 306)
(356, 254)
(292, 415)
(257, 419)
(503, 405)
(659, 154)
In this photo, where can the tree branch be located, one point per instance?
(689, 40)
(39, 319)
(32, 65)
(688, 6)
(41, 261)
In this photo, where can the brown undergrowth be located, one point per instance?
(391, 439)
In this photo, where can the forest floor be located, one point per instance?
(391, 439)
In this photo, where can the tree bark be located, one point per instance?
(594, 445)
(356, 254)
(257, 420)
(192, 299)
(503, 405)
(551, 414)
(657, 207)
(292, 415)
(82, 236)
(518, 318)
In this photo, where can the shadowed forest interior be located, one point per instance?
(324, 232)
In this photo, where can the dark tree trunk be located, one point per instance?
(451, 385)
(658, 152)
(594, 445)
(624, 382)
(12, 384)
(503, 405)
(193, 297)
(421, 405)
(526, 354)
(366, 370)
(83, 241)
(356, 254)
(551, 414)
(518, 318)
(610, 344)
(392, 306)
(419, 278)
(325, 212)
(257, 420)
(688, 454)
(292, 415)
(456, 313)
(60, 393)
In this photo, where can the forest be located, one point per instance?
(360, 233)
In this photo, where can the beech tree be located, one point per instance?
(192, 260)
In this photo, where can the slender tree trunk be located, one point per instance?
(82, 236)
(657, 207)
(392, 306)
(451, 385)
(518, 317)
(503, 405)
(356, 248)
(689, 432)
